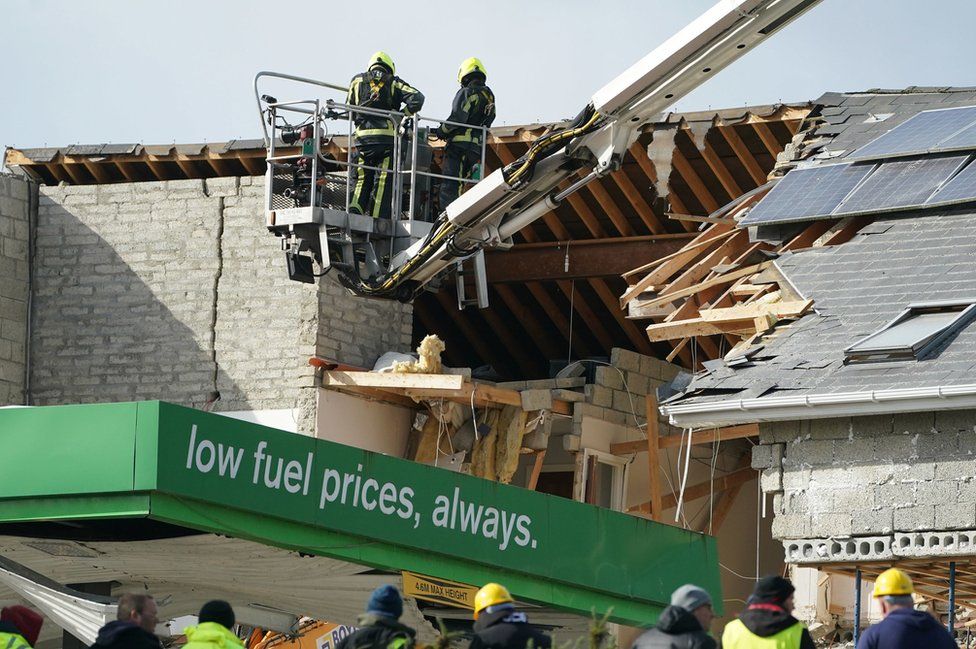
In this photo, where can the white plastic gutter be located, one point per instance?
(818, 406)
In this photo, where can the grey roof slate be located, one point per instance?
(857, 288)
(861, 285)
(850, 118)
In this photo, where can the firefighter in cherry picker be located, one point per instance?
(377, 88)
(474, 104)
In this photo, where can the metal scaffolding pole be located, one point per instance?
(952, 596)
(857, 606)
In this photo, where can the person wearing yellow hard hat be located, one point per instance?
(377, 88)
(768, 622)
(474, 105)
(902, 627)
(497, 625)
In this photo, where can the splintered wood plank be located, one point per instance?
(712, 435)
(673, 263)
(707, 436)
(700, 269)
(721, 483)
(696, 327)
(787, 309)
(721, 280)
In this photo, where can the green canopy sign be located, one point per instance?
(212, 473)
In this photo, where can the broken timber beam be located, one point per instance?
(720, 483)
(698, 437)
(744, 319)
(450, 387)
(721, 280)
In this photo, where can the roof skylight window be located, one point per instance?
(914, 333)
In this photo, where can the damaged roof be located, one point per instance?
(858, 287)
(893, 261)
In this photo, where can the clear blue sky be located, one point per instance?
(157, 72)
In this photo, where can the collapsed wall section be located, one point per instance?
(16, 199)
(175, 290)
(869, 488)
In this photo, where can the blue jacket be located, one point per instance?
(906, 628)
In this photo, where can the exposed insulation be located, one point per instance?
(483, 456)
(508, 445)
(429, 353)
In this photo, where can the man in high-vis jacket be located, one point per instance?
(380, 89)
(768, 622)
(19, 627)
(902, 627)
(474, 104)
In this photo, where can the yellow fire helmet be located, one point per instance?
(382, 58)
(490, 595)
(469, 65)
(893, 582)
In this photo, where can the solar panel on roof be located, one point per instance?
(901, 183)
(923, 132)
(959, 189)
(806, 193)
(964, 139)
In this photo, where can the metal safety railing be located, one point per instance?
(410, 152)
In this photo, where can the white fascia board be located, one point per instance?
(819, 406)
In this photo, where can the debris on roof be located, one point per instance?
(887, 262)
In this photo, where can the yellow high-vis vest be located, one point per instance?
(737, 636)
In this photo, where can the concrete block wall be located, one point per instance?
(16, 197)
(618, 391)
(870, 476)
(175, 290)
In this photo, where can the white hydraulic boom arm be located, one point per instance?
(510, 198)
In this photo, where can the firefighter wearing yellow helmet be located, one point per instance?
(377, 88)
(498, 625)
(474, 105)
(902, 627)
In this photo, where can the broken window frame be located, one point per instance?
(863, 352)
(620, 470)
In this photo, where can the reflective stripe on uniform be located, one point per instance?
(13, 641)
(366, 132)
(737, 636)
(380, 187)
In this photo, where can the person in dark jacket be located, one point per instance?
(474, 104)
(498, 625)
(377, 88)
(682, 625)
(19, 627)
(768, 618)
(902, 627)
(379, 626)
(134, 626)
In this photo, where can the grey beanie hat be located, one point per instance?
(690, 597)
